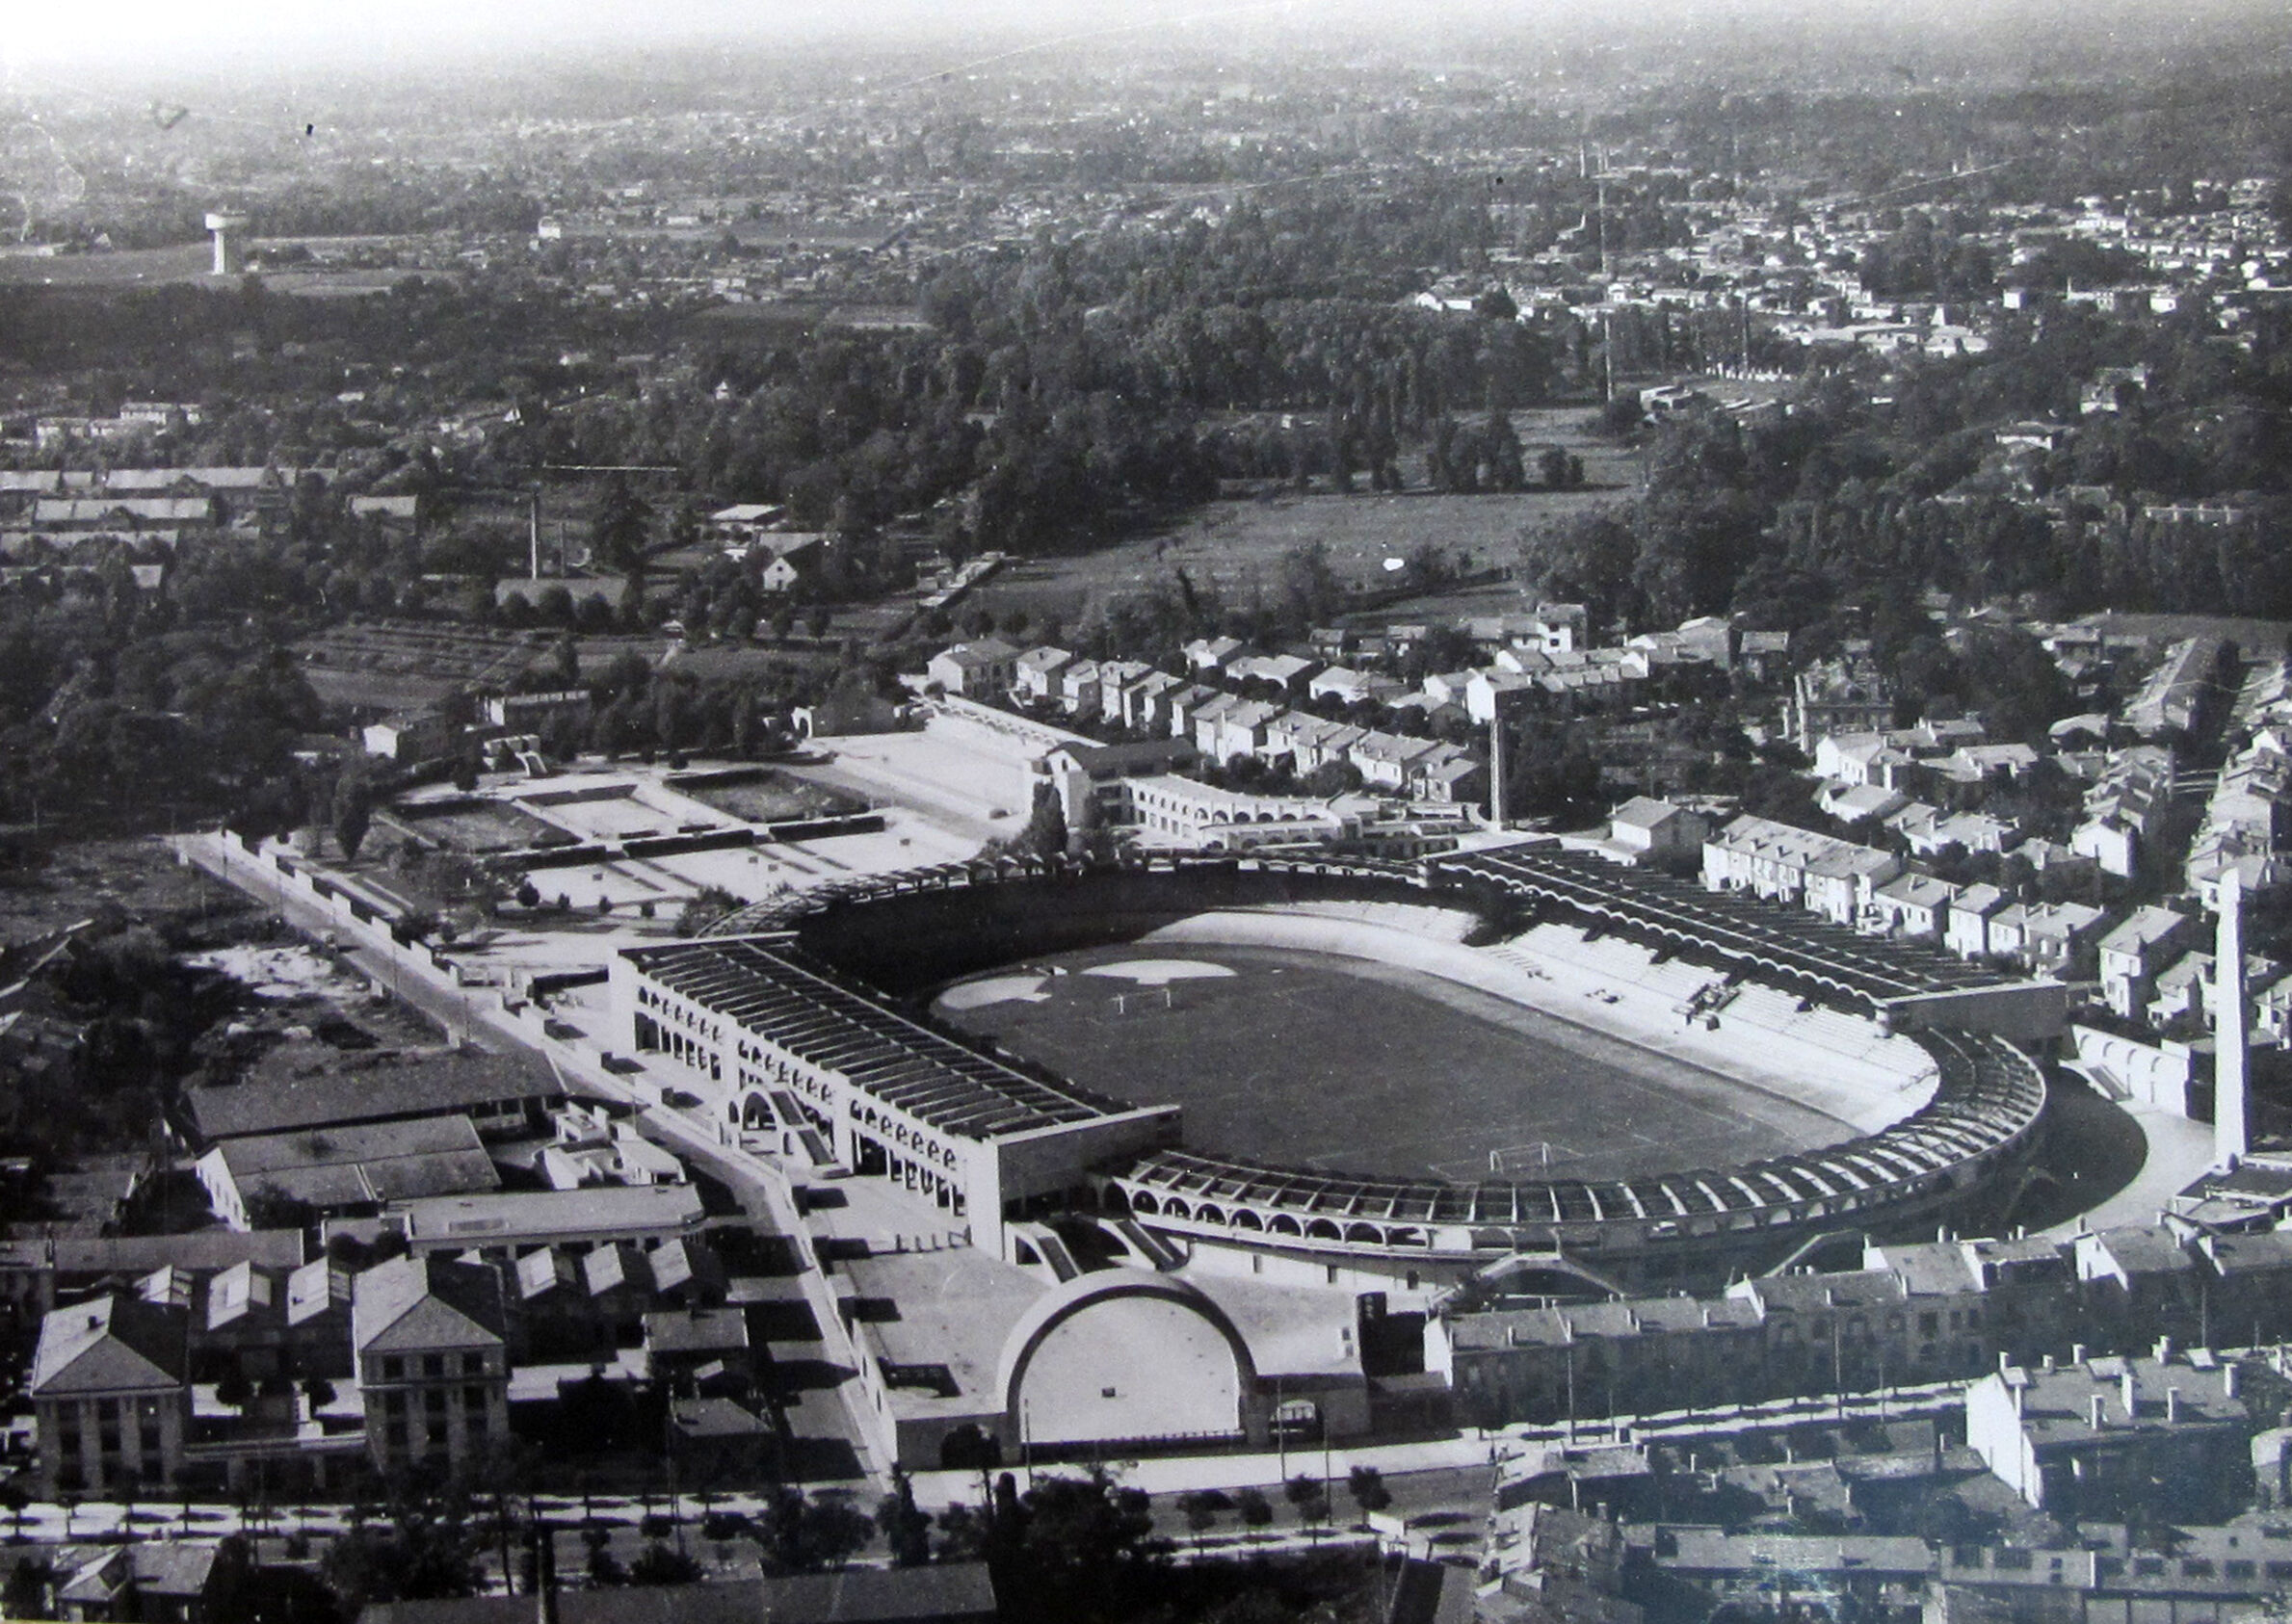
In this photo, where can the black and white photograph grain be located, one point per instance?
(1145, 812)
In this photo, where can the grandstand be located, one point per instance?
(1830, 962)
(756, 1023)
(1985, 1110)
(1981, 1119)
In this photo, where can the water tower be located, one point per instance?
(230, 242)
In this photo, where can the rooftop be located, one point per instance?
(773, 988)
(312, 1086)
(115, 1344)
(420, 1304)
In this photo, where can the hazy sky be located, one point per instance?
(38, 32)
(40, 37)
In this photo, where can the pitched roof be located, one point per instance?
(139, 1254)
(418, 1304)
(112, 1345)
(310, 1086)
(363, 1163)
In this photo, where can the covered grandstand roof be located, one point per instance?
(1863, 970)
(773, 988)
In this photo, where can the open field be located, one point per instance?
(129, 268)
(478, 829)
(188, 263)
(1311, 1059)
(767, 796)
(82, 879)
(1237, 545)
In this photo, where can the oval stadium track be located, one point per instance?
(1980, 1123)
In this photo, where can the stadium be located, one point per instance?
(806, 1025)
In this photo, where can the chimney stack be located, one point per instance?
(2231, 1133)
(2096, 1415)
(2077, 1353)
(2228, 1381)
(2132, 1394)
(2172, 1406)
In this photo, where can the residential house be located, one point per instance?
(796, 559)
(1657, 833)
(1036, 673)
(1287, 675)
(1117, 679)
(1488, 695)
(2133, 952)
(1847, 694)
(1078, 688)
(2124, 807)
(2096, 1439)
(1914, 906)
(1819, 872)
(1145, 704)
(1349, 687)
(147, 1580)
(1208, 656)
(2141, 1279)
(2047, 938)
(1387, 759)
(977, 671)
(1966, 930)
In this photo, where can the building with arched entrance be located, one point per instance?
(987, 1365)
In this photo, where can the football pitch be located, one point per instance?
(1316, 1060)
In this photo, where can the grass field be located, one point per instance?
(1236, 547)
(485, 827)
(188, 263)
(770, 796)
(1339, 1064)
(1237, 543)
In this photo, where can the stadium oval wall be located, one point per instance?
(796, 1004)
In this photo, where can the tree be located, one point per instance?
(664, 1564)
(354, 814)
(1201, 1508)
(1309, 1497)
(620, 531)
(708, 905)
(234, 1389)
(1045, 833)
(1366, 1485)
(1076, 1544)
(25, 1594)
(1497, 304)
(800, 1535)
(14, 1497)
(905, 1526)
(422, 1554)
(1257, 1512)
